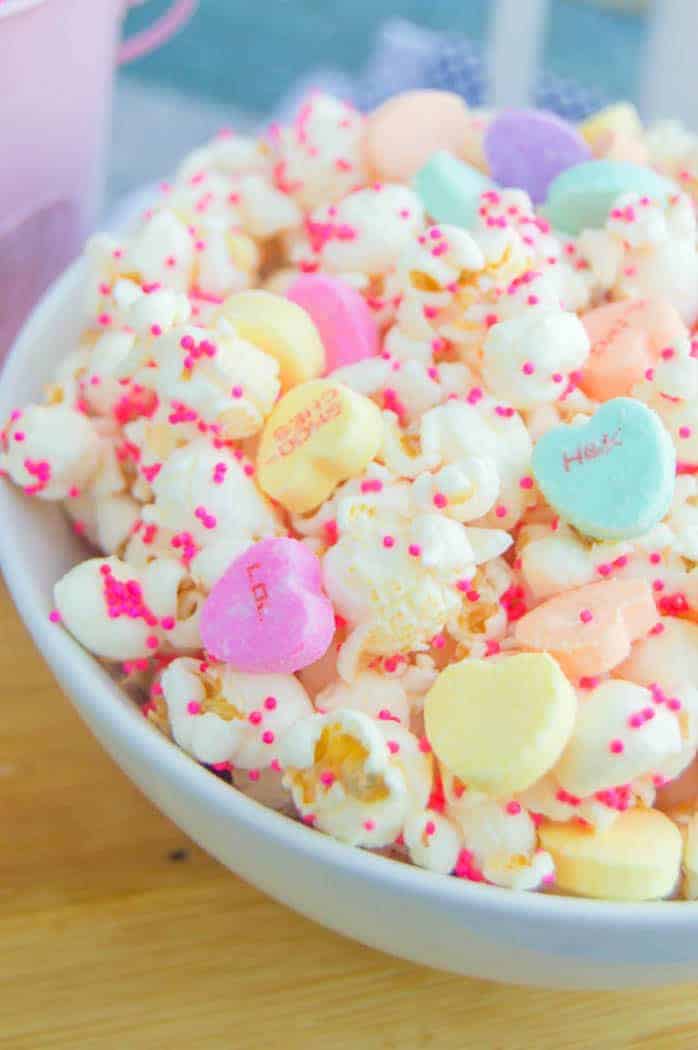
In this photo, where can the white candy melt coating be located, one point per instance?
(521, 356)
(233, 386)
(504, 845)
(210, 711)
(321, 153)
(382, 220)
(81, 601)
(367, 791)
(433, 841)
(589, 763)
(51, 449)
(371, 693)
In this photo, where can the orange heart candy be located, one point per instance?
(590, 630)
(626, 339)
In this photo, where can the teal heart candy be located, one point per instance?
(449, 189)
(582, 196)
(611, 477)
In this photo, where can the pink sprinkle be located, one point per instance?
(253, 774)
(54, 616)
(373, 485)
(424, 745)
(500, 511)
(616, 747)
(440, 500)
(673, 704)
(667, 353)
(270, 703)
(586, 616)
(438, 641)
(528, 368)
(255, 717)
(327, 778)
(513, 808)
(684, 432)
(193, 707)
(655, 558)
(167, 623)
(388, 541)
(463, 585)
(237, 391)
(393, 747)
(268, 737)
(557, 377)
(152, 642)
(526, 482)
(430, 828)
(414, 549)
(635, 721)
(472, 596)
(369, 825)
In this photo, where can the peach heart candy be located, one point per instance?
(590, 630)
(626, 339)
(403, 133)
(267, 613)
(341, 316)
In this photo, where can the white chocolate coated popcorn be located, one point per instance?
(51, 451)
(221, 715)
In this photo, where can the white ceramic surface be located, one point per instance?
(476, 930)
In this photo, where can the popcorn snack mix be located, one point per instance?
(382, 436)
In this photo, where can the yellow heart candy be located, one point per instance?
(319, 434)
(619, 119)
(500, 725)
(281, 329)
(637, 858)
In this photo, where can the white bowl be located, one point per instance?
(447, 923)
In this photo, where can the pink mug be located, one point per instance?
(57, 61)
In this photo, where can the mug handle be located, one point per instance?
(178, 14)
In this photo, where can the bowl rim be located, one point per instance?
(97, 690)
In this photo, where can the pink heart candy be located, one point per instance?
(341, 316)
(268, 613)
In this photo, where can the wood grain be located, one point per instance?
(116, 932)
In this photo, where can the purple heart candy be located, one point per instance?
(528, 148)
(268, 612)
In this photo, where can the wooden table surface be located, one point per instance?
(116, 931)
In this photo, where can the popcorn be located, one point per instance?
(213, 508)
(227, 382)
(526, 359)
(355, 778)
(501, 840)
(370, 693)
(434, 842)
(51, 451)
(219, 715)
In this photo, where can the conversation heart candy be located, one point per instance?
(449, 189)
(340, 314)
(500, 725)
(281, 329)
(616, 132)
(528, 148)
(590, 630)
(636, 858)
(611, 477)
(406, 130)
(583, 196)
(318, 435)
(268, 613)
(626, 339)
(620, 118)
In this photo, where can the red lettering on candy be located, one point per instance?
(592, 450)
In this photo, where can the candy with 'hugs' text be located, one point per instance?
(281, 329)
(268, 612)
(528, 148)
(319, 434)
(638, 857)
(340, 314)
(611, 477)
(406, 130)
(500, 725)
(590, 630)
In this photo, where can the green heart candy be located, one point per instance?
(611, 477)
